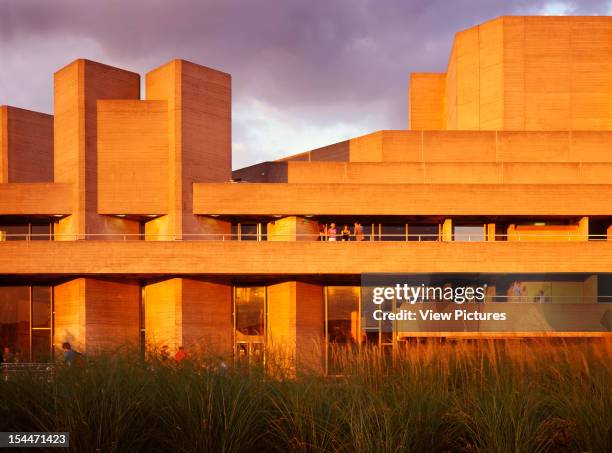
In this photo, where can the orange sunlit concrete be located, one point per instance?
(128, 208)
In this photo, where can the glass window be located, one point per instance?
(14, 232)
(41, 306)
(25, 231)
(501, 232)
(377, 332)
(343, 326)
(424, 232)
(468, 233)
(41, 345)
(16, 330)
(40, 232)
(343, 314)
(250, 312)
(367, 231)
(248, 231)
(250, 323)
(393, 232)
(15, 319)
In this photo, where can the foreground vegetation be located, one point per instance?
(492, 397)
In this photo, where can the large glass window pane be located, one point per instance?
(343, 314)
(367, 231)
(423, 232)
(15, 319)
(376, 332)
(41, 306)
(250, 312)
(41, 345)
(343, 329)
(40, 232)
(393, 232)
(248, 231)
(14, 232)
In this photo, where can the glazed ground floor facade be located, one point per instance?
(249, 319)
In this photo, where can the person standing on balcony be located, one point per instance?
(346, 233)
(332, 232)
(322, 232)
(358, 231)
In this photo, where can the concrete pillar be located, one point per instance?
(191, 313)
(295, 324)
(95, 315)
(583, 229)
(490, 231)
(447, 230)
(511, 234)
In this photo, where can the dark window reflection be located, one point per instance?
(343, 330)
(250, 311)
(248, 231)
(367, 231)
(17, 303)
(14, 232)
(24, 230)
(41, 306)
(343, 314)
(423, 232)
(40, 233)
(15, 319)
(41, 345)
(393, 232)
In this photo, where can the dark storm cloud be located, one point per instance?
(322, 61)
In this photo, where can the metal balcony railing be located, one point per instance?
(557, 237)
(10, 371)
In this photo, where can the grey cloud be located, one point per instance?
(322, 61)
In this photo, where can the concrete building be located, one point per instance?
(122, 222)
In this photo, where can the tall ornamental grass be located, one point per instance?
(485, 396)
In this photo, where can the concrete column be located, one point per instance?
(490, 231)
(295, 326)
(447, 230)
(96, 315)
(191, 313)
(583, 228)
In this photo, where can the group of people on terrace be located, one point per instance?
(345, 234)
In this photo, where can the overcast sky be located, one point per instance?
(305, 73)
